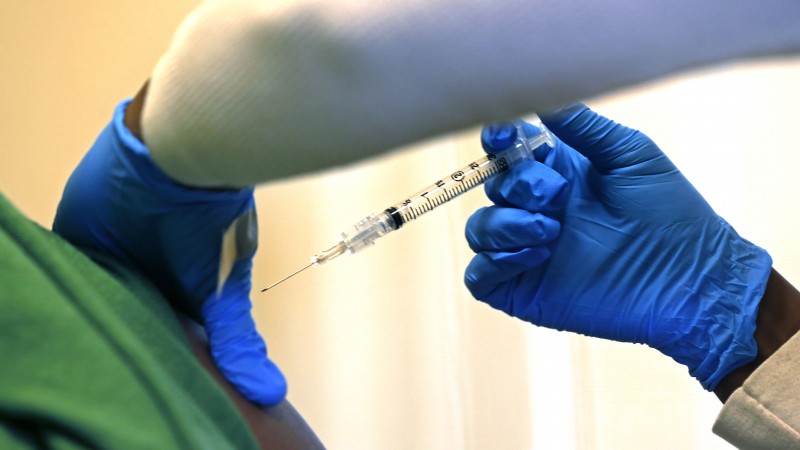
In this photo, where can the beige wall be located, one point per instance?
(64, 67)
(386, 349)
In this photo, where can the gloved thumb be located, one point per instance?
(237, 348)
(607, 144)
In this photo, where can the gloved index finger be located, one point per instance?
(496, 137)
(497, 228)
(530, 185)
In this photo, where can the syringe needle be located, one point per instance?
(287, 277)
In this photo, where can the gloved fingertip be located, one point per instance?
(265, 387)
(272, 390)
(482, 276)
(244, 363)
(498, 136)
(476, 224)
(491, 269)
(530, 185)
(562, 115)
(240, 352)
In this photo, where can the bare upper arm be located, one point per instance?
(279, 426)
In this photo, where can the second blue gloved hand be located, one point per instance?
(119, 203)
(626, 250)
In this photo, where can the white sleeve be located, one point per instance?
(764, 413)
(251, 91)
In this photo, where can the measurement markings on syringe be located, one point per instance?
(364, 232)
(465, 181)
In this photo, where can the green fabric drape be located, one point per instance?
(92, 356)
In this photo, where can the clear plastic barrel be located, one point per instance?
(472, 175)
(367, 230)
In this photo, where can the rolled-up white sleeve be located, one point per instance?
(254, 90)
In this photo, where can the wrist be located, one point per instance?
(777, 320)
(727, 295)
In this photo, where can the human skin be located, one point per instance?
(279, 426)
(777, 321)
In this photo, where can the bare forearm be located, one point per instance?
(278, 426)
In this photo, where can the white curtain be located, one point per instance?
(387, 349)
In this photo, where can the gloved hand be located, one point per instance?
(119, 203)
(639, 257)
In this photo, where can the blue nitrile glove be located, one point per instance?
(119, 203)
(641, 257)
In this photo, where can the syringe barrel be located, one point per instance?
(364, 233)
(472, 175)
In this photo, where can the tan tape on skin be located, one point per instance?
(239, 241)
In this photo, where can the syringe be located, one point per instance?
(364, 233)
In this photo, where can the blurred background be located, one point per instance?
(387, 349)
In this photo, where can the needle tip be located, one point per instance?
(287, 277)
